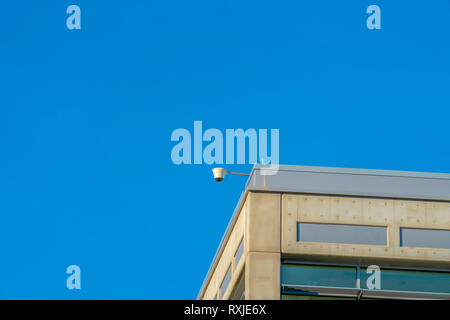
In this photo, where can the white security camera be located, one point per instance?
(219, 173)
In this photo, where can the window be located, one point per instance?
(409, 280)
(239, 290)
(311, 281)
(239, 253)
(425, 238)
(341, 233)
(312, 297)
(314, 275)
(225, 282)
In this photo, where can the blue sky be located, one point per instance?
(86, 116)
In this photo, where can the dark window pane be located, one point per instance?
(225, 282)
(310, 275)
(405, 280)
(239, 252)
(312, 297)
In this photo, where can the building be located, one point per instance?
(313, 232)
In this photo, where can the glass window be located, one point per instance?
(425, 238)
(318, 281)
(340, 233)
(315, 275)
(239, 252)
(225, 282)
(239, 290)
(312, 297)
(407, 280)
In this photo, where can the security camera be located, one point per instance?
(219, 173)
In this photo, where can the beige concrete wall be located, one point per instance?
(263, 222)
(258, 223)
(268, 224)
(263, 234)
(227, 259)
(392, 214)
(262, 276)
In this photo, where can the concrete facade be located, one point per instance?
(258, 223)
(392, 214)
(267, 221)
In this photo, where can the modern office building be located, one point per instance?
(333, 233)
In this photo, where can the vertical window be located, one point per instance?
(239, 289)
(239, 253)
(225, 282)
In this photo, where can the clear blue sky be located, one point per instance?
(86, 116)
